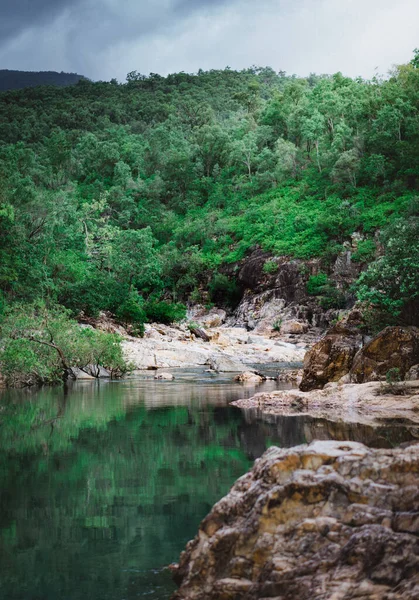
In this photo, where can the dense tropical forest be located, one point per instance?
(132, 198)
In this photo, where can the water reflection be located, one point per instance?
(101, 485)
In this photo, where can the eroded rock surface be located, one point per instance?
(326, 521)
(392, 348)
(332, 357)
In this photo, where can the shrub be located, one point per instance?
(270, 267)
(131, 311)
(224, 291)
(329, 296)
(277, 325)
(365, 251)
(164, 312)
(316, 284)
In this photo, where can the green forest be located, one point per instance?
(134, 198)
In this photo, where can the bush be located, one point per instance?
(316, 284)
(330, 297)
(224, 291)
(164, 312)
(270, 267)
(277, 325)
(365, 251)
(132, 311)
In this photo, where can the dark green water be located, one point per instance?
(102, 485)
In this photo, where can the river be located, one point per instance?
(102, 484)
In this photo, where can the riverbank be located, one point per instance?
(228, 349)
(371, 403)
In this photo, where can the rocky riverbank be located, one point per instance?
(228, 349)
(369, 403)
(329, 520)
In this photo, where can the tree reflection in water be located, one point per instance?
(103, 484)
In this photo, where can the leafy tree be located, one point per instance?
(41, 345)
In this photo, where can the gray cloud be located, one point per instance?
(17, 15)
(108, 38)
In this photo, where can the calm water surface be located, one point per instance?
(102, 485)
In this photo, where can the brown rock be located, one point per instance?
(392, 348)
(331, 358)
(329, 520)
(248, 377)
(294, 327)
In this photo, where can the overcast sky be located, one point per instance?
(102, 39)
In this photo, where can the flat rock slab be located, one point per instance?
(353, 403)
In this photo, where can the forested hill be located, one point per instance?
(17, 80)
(134, 197)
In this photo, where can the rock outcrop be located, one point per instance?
(275, 290)
(326, 521)
(392, 348)
(332, 357)
(371, 403)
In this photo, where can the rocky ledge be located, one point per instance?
(325, 521)
(368, 403)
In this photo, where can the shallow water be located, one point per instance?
(102, 484)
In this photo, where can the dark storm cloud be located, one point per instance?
(17, 15)
(74, 34)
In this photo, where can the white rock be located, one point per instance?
(164, 375)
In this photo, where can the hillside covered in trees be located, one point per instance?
(133, 198)
(17, 80)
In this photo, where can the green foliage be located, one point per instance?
(223, 290)
(277, 325)
(131, 310)
(270, 267)
(391, 283)
(164, 312)
(365, 251)
(393, 375)
(394, 384)
(329, 295)
(153, 186)
(41, 345)
(316, 284)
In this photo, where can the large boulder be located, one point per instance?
(329, 520)
(294, 327)
(392, 348)
(331, 358)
